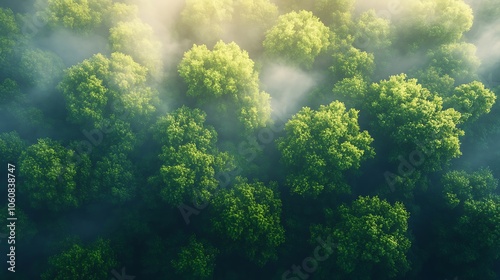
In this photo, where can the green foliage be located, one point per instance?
(98, 84)
(9, 32)
(458, 60)
(320, 145)
(370, 237)
(40, 69)
(205, 19)
(414, 119)
(371, 33)
(471, 100)
(460, 186)
(93, 262)
(48, 172)
(435, 82)
(195, 261)
(431, 22)
(298, 38)
(189, 157)
(82, 16)
(225, 79)
(11, 146)
(115, 178)
(136, 39)
(468, 234)
(350, 62)
(247, 218)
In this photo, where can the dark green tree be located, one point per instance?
(247, 218)
(79, 262)
(196, 260)
(49, 171)
(370, 237)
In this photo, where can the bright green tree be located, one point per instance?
(189, 157)
(100, 89)
(196, 260)
(225, 80)
(49, 172)
(350, 62)
(319, 146)
(472, 100)
(79, 262)
(247, 218)
(414, 120)
(82, 16)
(297, 38)
(370, 237)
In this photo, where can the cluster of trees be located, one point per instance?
(127, 166)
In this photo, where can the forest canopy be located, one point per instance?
(250, 139)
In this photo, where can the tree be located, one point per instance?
(11, 147)
(205, 19)
(196, 260)
(115, 178)
(40, 69)
(350, 62)
(247, 218)
(9, 34)
(432, 23)
(297, 38)
(414, 120)
(93, 262)
(82, 16)
(371, 33)
(458, 60)
(472, 100)
(370, 237)
(101, 89)
(467, 230)
(319, 146)
(49, 171)
(190, 159)
(136, 39)
(225, 81)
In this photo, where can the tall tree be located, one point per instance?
(247, 218)
(320, 146)
(414, 120)
(49, 173)
(190, 159)
(136, 39)
(370, 237)
(195, 261)
(426, 23)
(92, 262)
(225, 81)
(297, 38)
